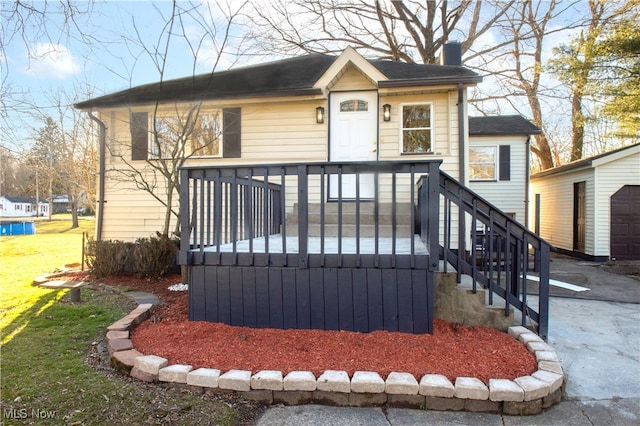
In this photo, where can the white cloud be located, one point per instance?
(49, 60)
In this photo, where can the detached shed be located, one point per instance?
(591, 207)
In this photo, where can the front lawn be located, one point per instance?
(50, 344)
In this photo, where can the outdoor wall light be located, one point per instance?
(320, 115)
(386, 112)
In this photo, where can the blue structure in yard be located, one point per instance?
(17, 228)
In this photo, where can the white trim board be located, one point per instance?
(561, 284)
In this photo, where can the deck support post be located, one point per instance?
(543, 304)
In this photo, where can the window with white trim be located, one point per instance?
(417, 130)
(483, 163)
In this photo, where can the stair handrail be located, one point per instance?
(508, 251)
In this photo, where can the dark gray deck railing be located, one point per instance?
(502, 251)
(229, 204)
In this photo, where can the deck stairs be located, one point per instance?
(352, 219)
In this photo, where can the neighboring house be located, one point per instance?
(61, 204)
(499, 162)
(591, 207)
(321, 168)
(21, 207)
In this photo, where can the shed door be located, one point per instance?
(625, 223)
(353, 133)
(579, 216)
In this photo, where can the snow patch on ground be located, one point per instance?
(179, 287)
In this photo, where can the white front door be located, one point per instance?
(353, 134)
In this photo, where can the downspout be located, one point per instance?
(526, 182)
(101, 172)
(463, 158)
(461, 135)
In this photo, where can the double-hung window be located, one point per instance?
(417, 129)
(483, 162)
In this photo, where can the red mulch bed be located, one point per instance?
(453, 350)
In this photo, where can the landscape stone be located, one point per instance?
(124, 360)
(334, 381)
(505, 390)
(176, 373)
(261, 396)
(204, 377)
(405, 401)
(117, 334)
(367, 399)
(299, 381)
(292, 397)
(470, 388)
(552, 366)
(554, 380)
(143, 375)
(481, 406)
(443, 404)
(533, 388)
(436, 385)
(150, 363)
(367, 382)
(238, 380)
(516, 330)
(546, 356)
(527, 408)
(401, 384)
(529, 337)
(339, 399)
(534, 346)
(267, 380)
(116, 345)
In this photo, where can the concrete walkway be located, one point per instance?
(599, 346)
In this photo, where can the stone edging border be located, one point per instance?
(525, 395)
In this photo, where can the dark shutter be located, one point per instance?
(231, 133)
(139, 125)
(505, 162)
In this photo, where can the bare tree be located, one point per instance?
(78, 151)
(408, 31)
(502, 40)
(180, 132)
(31, 24)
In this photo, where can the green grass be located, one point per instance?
(47, 340)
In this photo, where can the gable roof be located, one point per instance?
(23, 200)
(287, 77)
(596, 160)
(502, 125)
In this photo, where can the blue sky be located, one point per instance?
(101, 53)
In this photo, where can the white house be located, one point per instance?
(314, 171)
(591, 207)
(21, 207)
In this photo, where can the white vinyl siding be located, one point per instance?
(610, 177)
(508, 195)
(603, 179)
(445, 130)
(272, 131)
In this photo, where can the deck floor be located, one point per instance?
(331, 245)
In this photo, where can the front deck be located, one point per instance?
(297, 246)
